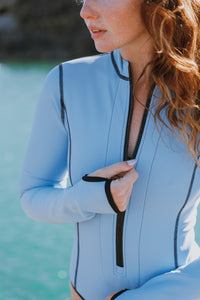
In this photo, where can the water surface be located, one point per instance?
(34, 256)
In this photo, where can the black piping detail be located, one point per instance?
(77, 261)
(63, 113)
(93, 178)
(119, 239)
(78, 292)
(62, 104)
(179, 214)
(121, 215)
(117, 69)
(143, 123)
(130, 112)
(118, 294)
(109, 196)
(107, 188)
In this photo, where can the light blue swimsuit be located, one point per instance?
(148, 252)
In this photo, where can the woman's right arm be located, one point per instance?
(42, 194)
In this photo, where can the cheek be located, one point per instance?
(125, 18)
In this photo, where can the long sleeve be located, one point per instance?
(43, 195)
(180, 284)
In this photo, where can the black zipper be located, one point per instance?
(121, 216)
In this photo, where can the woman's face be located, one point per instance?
(115, 24)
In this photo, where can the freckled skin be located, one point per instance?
(122, 21)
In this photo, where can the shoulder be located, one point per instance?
(88, 67)
(81, 68)
(88, 72)
(87, 62)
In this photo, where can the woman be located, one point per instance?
(132, 111)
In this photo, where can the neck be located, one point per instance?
(139, 55)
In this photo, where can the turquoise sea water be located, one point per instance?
(34, 257)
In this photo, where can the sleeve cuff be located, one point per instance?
(109, 196)
(106, 188)
(118, 294)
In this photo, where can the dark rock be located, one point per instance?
(8, 24)
(47, 30)
(6, 5)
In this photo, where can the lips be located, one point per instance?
(96, 32)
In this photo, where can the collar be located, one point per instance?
(120, 65)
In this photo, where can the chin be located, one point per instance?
(104, 48)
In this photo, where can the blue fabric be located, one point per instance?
(158, 233)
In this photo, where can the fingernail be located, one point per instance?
(131, 162)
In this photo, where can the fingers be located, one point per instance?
(115, 169)
(130, 176)
(110, 296)
(123, 176)
(121, 189)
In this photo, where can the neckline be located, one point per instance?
(143, 122)
(120, 65)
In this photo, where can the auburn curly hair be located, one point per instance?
(174, 28)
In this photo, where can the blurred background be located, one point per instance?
(42, 30)
(34, 37)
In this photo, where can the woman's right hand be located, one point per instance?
(123, 177)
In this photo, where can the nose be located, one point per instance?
(88, 10)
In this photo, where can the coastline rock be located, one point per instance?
(8, 24)
(5, 4)
(48, 30)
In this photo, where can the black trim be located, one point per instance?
(63, 113)
(118, 294)
(109, 196)
(107, 188)
(93, 178)
(77, 292)
(130, 112)
(62, 104)
(119, 239)
(121, 216)
(142, 124)
(179, 214)
(117, 69)
(77, 261)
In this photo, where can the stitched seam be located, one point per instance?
(143, 138)
(123, 136)
(68, 126)
(101, 246)
(179, 215)
(140, 234)
(109, 131)
(77, 260)
(145, 128)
